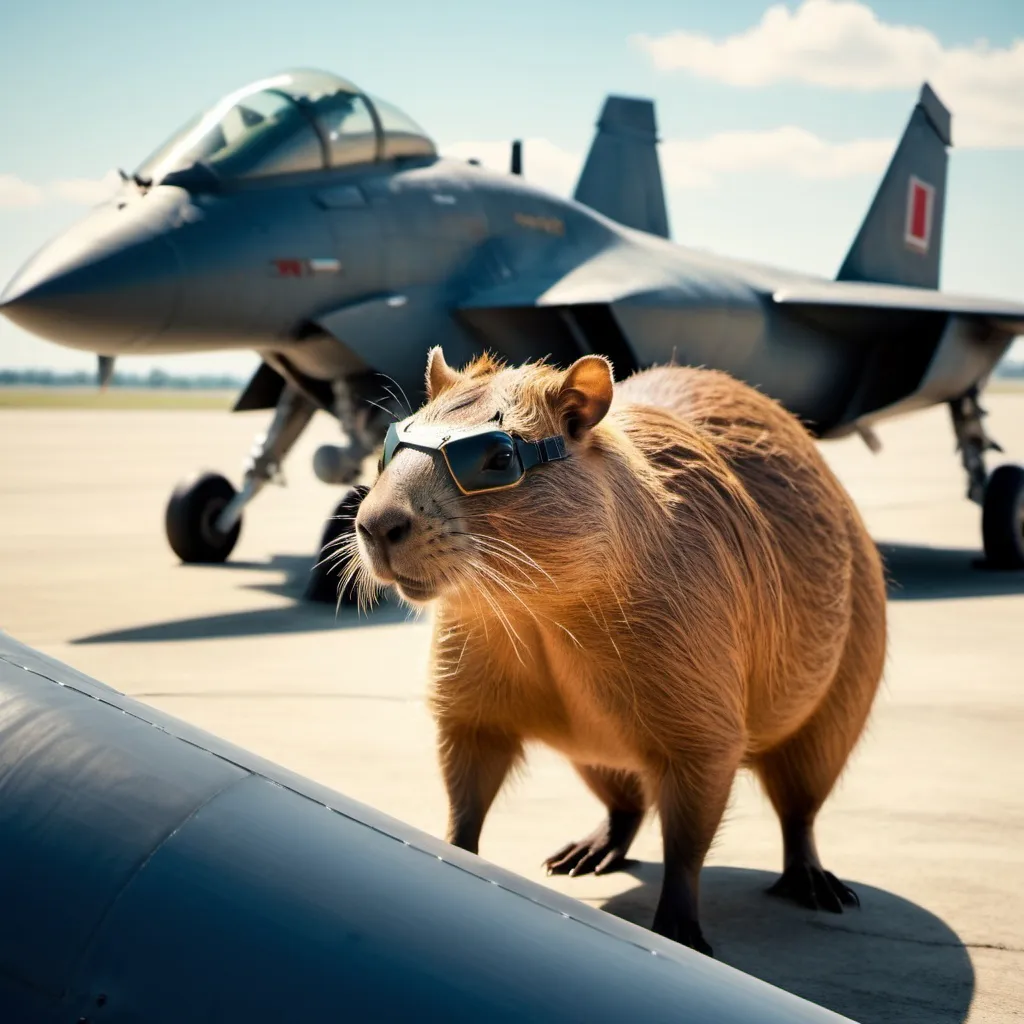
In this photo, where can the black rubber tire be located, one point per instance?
(190, 517)
(1002, 518)
(323, 577)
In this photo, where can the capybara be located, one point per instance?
(660, 578)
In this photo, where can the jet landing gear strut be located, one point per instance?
(333, 464)
(204, 515)
(1000, 493)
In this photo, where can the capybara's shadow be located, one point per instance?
(890, 960)
(298, 617)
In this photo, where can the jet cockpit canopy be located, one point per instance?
(292, 122)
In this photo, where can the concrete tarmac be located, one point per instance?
(927, 823)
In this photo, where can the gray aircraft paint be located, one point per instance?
(154, 872)
(624, 150)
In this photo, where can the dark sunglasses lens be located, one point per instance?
(484, 461)
(390, 444)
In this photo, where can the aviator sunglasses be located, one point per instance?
(479, 458)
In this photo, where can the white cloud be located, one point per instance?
(790, 150)
(842, 44)
(86, 191)
(14, 192)
(700, 163)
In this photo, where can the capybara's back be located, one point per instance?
(830, 572)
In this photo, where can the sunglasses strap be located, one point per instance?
(547, 449)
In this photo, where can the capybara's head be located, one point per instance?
(495, 488)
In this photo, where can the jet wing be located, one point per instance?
(602, 277)
(1007, 316)
(617, 274)
(637, 304)
(541, 290)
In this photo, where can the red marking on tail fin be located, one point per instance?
(920, 204)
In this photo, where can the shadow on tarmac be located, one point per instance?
(889, 961)
(915, 573)
(918, 573)
(299, 617)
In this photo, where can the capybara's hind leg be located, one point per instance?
(799, 775)
(605, 849)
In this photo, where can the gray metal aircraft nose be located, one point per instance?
(103, 286)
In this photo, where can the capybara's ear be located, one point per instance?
(440, 376)
(585, 395)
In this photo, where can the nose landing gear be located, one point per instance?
(191, 519)
(204, 516)
(203, 519)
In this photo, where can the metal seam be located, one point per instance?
(334, 810)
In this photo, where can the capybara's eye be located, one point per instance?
(499, 461)
(380, 466)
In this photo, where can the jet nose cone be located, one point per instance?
(104, 286)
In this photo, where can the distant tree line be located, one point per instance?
(85, 378)
(42, 378)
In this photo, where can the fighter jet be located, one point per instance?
(304, 219)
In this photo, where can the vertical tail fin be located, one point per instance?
(900, 241)
(622, 177)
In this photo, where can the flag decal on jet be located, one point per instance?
(920, 199)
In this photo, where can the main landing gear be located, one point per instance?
(1000, 493)
(204, 515)
(330, 570)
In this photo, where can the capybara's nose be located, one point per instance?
(385, 527)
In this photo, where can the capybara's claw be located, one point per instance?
(815, 888)
(603, 851)
(585, 857)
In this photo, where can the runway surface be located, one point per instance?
(927, 824)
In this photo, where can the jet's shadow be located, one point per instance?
(298, 617)
(889, 961)
(919, 573)
(915, 573)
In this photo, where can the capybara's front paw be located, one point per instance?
(603, 851)
(811, 886)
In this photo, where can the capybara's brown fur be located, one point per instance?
(691, 591)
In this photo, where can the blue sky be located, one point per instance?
(85, 88)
